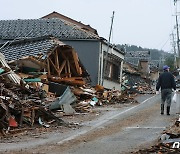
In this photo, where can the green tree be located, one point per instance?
(170, 62)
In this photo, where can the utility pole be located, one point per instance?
(106, 56)
(173, 44)
(177, 28)
(177, 32)
(174, 49)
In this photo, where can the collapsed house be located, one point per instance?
(35, 62)
(128, 67)
(137, 74)
(134, 83)
(104, 69)
(55, 60)
(142, 61)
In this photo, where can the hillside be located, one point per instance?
(158, 57)
(155, 53)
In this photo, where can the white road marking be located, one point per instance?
(145, 127)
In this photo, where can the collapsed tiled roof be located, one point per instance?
(133, 57)
(29, 47)
(140, 54)
(11, 29)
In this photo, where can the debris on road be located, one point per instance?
(169, 141)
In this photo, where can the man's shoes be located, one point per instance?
(162, 109)
(168, 110)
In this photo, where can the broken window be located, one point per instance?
(112, 67)
(112, 71)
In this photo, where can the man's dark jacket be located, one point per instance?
(166, 81)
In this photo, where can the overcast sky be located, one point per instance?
(146, 23)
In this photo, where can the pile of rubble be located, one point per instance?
(89, 97)
(134, 83)
(23, 107)
(29, 97)
(169, 141)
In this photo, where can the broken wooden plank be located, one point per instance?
(61, 67)
(72, 81)
(57, 59)
(69, 69)
(53, 64)
(76, 62)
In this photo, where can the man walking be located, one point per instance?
(166, 82)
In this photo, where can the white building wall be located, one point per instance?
(107, 83)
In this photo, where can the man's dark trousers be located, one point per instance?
(166, 96)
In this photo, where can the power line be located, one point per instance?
(165, 43)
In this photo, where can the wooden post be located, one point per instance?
(65, 68)
(48, 66)
(53, 65)
(61, 67)
(76, 60)
(69, 69)
(56, 59)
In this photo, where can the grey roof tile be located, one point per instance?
(10, 29)
(28, 47)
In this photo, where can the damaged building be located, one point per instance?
(138, 73)
(141, 60)
(46, 55)
(90, 47)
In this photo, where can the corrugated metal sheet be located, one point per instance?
(66, 98)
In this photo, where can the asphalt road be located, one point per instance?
(138, 127)
(121, 130)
